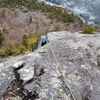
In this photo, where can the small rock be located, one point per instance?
(26, 73)
(1, 65)
(18, 65)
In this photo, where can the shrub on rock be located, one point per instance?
(89, 30)
(2, 53)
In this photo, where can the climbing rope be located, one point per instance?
(72, 95)
(63, 95)
(64, 89)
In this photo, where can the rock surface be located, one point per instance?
(77, 54)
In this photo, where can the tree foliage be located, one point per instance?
(52, 12)
(25, 40)
(1, 38)
(2, 53)
(30, 19)
(89, 30)
(29, 42)
(32, 43)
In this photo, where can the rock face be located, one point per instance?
(30, 76)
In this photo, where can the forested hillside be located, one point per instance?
(31, 18)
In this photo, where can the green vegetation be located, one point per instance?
(9, 49)
(14, 49)
(56, 28)
(2, 53)
(30, 19)
(32, 43)
(52, 12)
(3, 11)
(28, 43)
(25, 41)
(1, 38)
(22, 49)
(89, 30)
(37, 25)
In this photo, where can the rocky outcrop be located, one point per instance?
(30, 76)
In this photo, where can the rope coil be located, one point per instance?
(63, 95)
(64, 89)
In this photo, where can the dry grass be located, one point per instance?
(17, 24)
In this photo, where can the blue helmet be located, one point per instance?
(43, 40)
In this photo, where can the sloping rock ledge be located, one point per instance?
(29, 77)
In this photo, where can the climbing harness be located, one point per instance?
(62, 73)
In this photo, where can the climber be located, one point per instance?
(43, 41)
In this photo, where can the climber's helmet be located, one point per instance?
(43, 40)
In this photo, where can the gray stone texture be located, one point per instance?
(78, 56)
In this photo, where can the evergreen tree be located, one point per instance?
(1, 38)
(25, 40)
